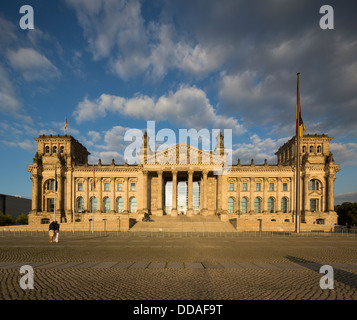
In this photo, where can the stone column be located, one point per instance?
(204, 209)
(238, 196)
(35, 193)
(305, 193)
(112, 200)
(126, 199)
(174, 194)
(100, 195)
(330, 195)
(87, 202)
(190, 194)
(265, 195)
(219, 193)
(278, 198)
(251, 200)
(145, 191)
(59, 193)
(160, 211)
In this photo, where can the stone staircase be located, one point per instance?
(183, 224)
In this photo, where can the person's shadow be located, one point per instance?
(340, 275)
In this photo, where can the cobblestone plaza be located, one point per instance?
(160, 267)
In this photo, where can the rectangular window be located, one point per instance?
(80, 186)
(271, 186)
(50, 205)
(132, 186)
(285, 187)
(106, 186)
(257, 186)
(231, 187)
(313, 205)
(245, 186)
(120, 187)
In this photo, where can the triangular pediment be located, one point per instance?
(183, 153)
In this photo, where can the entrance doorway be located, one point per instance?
(182, 197)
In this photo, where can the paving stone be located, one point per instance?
(174, 265)
(86, 265)
(51, 265)
(288, 266)
(210, 265)
(193, 265)
(68, 265)
(122, 265)
(13, 265)
(157, 265)
(267, 265)
(231, 265)
(248, 265)
(104, 265)
(139, 265)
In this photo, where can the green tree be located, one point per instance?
(6, 219)
(347, 213)
(22, 219)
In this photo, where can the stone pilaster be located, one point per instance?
(190, 193)
(174, 193)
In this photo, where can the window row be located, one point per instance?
(106, 205)
(312, 149)
(257, 205)
(258, 186)
(119, 186)
(54, 149)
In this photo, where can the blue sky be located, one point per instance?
(112, 65)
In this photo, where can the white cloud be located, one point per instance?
(118, 31)
(188, 107)
(32, 64)
(10, 104)
(27, 145)
(259, 149)
(344, 154)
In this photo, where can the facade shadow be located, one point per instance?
(340, 275)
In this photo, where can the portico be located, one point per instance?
(180, 191)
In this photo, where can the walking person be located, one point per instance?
(51, 230)
(56, 233)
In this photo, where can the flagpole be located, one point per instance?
(55, 185)
(73, 201)
(93, 200)
(297, 219)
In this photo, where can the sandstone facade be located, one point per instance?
(253, 192)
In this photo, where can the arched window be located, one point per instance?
(120, 204)
(318, 149)
(230, 205)
(311, 149)
(314, 185)
(106, 204)
(257, 205)
(133, 205)
(284, 204)
(94, 204)
(303, 149)
(62, 149)
(54, 149)
(80, 204)
(50, 184)
(271, 205)
(244, 205)
(47, 149)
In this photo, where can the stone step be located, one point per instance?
(183, 224)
